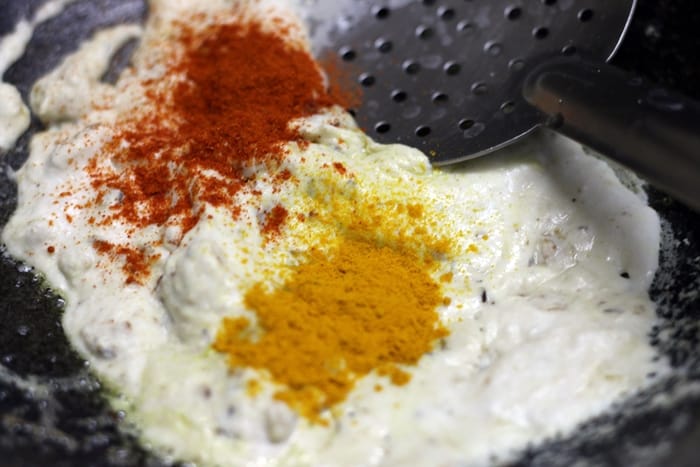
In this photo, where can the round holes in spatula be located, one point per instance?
(411, 67)
(508, 107)
(347, 54)
(471, 128)
(398, 95)
(466, 123)
(516, 64)
(382, 127)
(465, 28)
(424, 32)
(494, 49)
(367, 80)
(513, 13)
(383, 45)
(480, 88)
(445, 13)
(423, 131)
(569, 50)
(381, 12)
(452, 68)
(445, 57)
(440, 98)
(585, 15)
(540, 32)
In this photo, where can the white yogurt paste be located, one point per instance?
(545, 331)
(14, 115)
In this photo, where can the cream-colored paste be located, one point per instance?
(549, 315)
(14, 114)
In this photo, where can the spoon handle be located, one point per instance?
(652, 131)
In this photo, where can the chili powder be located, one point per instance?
(242, 87)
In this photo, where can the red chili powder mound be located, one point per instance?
(243, 86)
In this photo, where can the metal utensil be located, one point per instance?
(88, 432)
(462, 78)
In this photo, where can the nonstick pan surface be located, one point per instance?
(52, 411)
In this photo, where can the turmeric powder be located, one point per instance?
(341, 315)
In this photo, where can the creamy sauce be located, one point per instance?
(549, 312)
(14, 114)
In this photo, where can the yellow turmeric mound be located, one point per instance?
(340, 316)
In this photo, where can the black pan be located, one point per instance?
(57, 415)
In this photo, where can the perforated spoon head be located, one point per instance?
(446, 76)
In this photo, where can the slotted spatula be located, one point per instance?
(462, 78)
